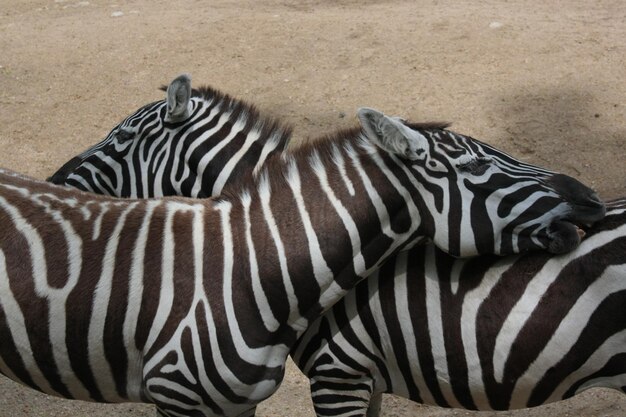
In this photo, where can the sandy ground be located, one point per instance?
(544, 80)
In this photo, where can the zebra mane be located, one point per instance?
(274, 167)
(324, 144)
(268, 127)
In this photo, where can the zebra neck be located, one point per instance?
(315, 227)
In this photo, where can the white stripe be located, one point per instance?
(435, 328)
(260, 298)
(15, 318)
(159, 170)
(166, 294)
(81, 180)
(104, 178)
(351, 227)
(492, 203)
(381, 210)
(596, 361)
(156, 185)
(130, 165)
(271, 144)
(471, 304)
(227, 169)
(236, 127)
(535, 289)
(101, 297)
(57, 299)
(321, 270)
(17, 327)
(198, 126)
(403, 309)
(175, 387)
(97, 224)
(569, 332)
(189, 322)
(265, 195)
(135, 294)
(56, 296)
(258, 356)
(340, 162)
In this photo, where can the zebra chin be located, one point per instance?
(564, 235)
(584, 209)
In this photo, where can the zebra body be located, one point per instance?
(487, 333)
(192, 143)
(194, 304)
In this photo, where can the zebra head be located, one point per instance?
(188, 144)
(473, 190)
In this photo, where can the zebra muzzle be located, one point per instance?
(564, 236)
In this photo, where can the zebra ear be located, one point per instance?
(391, 134)
(178, 98)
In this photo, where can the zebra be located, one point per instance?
(191, 143)
(207, 139)
(487, 333)
(197, 307)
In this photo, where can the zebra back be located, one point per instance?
(485, 333)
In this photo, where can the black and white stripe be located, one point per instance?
(192, 143)
(487, 333)
(194, 304)
(124, 164)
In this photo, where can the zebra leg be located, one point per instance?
(249, 413)
(344, 397)
(376, 401)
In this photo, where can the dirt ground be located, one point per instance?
(543, 80)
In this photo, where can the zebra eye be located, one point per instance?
(475, 166)
(123, 135)
(456, 153)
